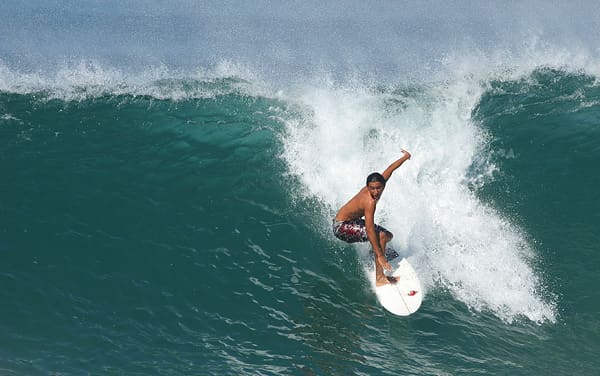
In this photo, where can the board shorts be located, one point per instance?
(353, 231)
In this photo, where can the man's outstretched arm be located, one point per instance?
(391, 168)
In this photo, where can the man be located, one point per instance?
(349, 226)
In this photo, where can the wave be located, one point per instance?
(334, 134)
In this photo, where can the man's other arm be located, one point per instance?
(391, 168)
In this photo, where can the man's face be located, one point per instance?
(375, 188)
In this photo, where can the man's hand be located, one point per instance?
(406, 153)
(384, 263)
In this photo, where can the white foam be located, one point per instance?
(512, 62)
(88, 79)
(454, 241)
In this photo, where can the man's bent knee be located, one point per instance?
(385, 235)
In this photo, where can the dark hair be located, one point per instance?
(376, 176)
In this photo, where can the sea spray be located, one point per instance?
(455, 241)
(85, 79)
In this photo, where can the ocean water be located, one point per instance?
(174, 218)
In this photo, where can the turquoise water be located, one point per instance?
(169, 172)
(142, 234)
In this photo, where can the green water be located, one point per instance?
(146, 235)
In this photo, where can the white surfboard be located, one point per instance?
(405, 297)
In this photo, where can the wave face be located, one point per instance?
(187, 217)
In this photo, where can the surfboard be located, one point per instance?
(405, 297)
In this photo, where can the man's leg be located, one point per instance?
(356, 231)
(384, 238)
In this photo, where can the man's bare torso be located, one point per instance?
(355, 208)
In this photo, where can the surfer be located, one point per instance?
(350, 226)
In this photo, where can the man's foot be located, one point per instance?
(385, 280)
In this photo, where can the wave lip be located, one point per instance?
(88, 79)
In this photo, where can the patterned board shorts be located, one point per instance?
(353, 231)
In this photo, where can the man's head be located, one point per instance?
(376, 176)
(375, 185)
